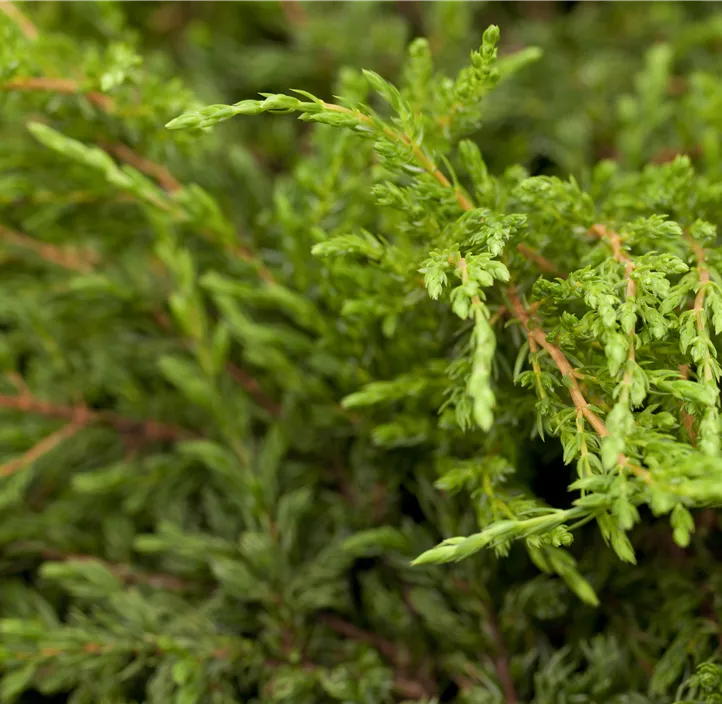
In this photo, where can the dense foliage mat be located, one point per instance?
(414, 399)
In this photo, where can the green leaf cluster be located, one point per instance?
(406, 421)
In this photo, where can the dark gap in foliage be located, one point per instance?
(23, 360)
(32, 696)
(568, 6)
(449, 692)
(410, 506)
(542, 165)
(411, 12)
(100, 401)
(550, 477)
(355, 586)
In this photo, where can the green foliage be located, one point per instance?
(392, 419)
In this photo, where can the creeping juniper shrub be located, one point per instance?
(403, 422)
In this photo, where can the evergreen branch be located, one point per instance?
(422, 159)
(348, 630)
(152, 643)
(567, 371)
(501, 661)
(89, 155)
(171, 185)
(254, 389)
(557, 356)
(405, 686)
(25, 25)
(419, 155)
(68, 259)
(65, 86)
(125, 573)
(704, 279)
(41, 448)
(159, 172)
(215, 114)
(615, 242)
(541, 261)
(687, 418)
(704, 353)
(239, 375)
(81, 415)
(67, 198)
(75, 262)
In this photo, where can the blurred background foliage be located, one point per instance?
(608, 68)
(556, 116)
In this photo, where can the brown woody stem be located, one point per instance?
(40, 449)
(67, 86)
(68, 259)
(539, 260)
(81, 416)
(25, 25)
(408, 687)
(159, 172)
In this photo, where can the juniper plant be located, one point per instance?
(302, 452)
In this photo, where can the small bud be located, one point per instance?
(491, 36)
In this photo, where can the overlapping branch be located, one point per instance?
(125, 573)
(159, 172)
(65, 86)
(74, 260)
(537, 335)
(41, 448)
(68, 86)
(25, 25)
(615, 242)
(704, 279)
(415, 688)
(81, 415)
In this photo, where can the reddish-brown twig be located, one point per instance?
(539, 260)
(81, 415)
(66, 86)
(704, 279)
(617, 246)
(615, 242)
(74, 260)
(561, 362)
(419, 154)
(348, 630)
(253, 388)
(125, 573)
(159, 172)
(501, 660)
(406, 686)
(39, 449)
(236, 373)
(25, 25)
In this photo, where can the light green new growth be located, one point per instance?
(623, 370)
(416, 400)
